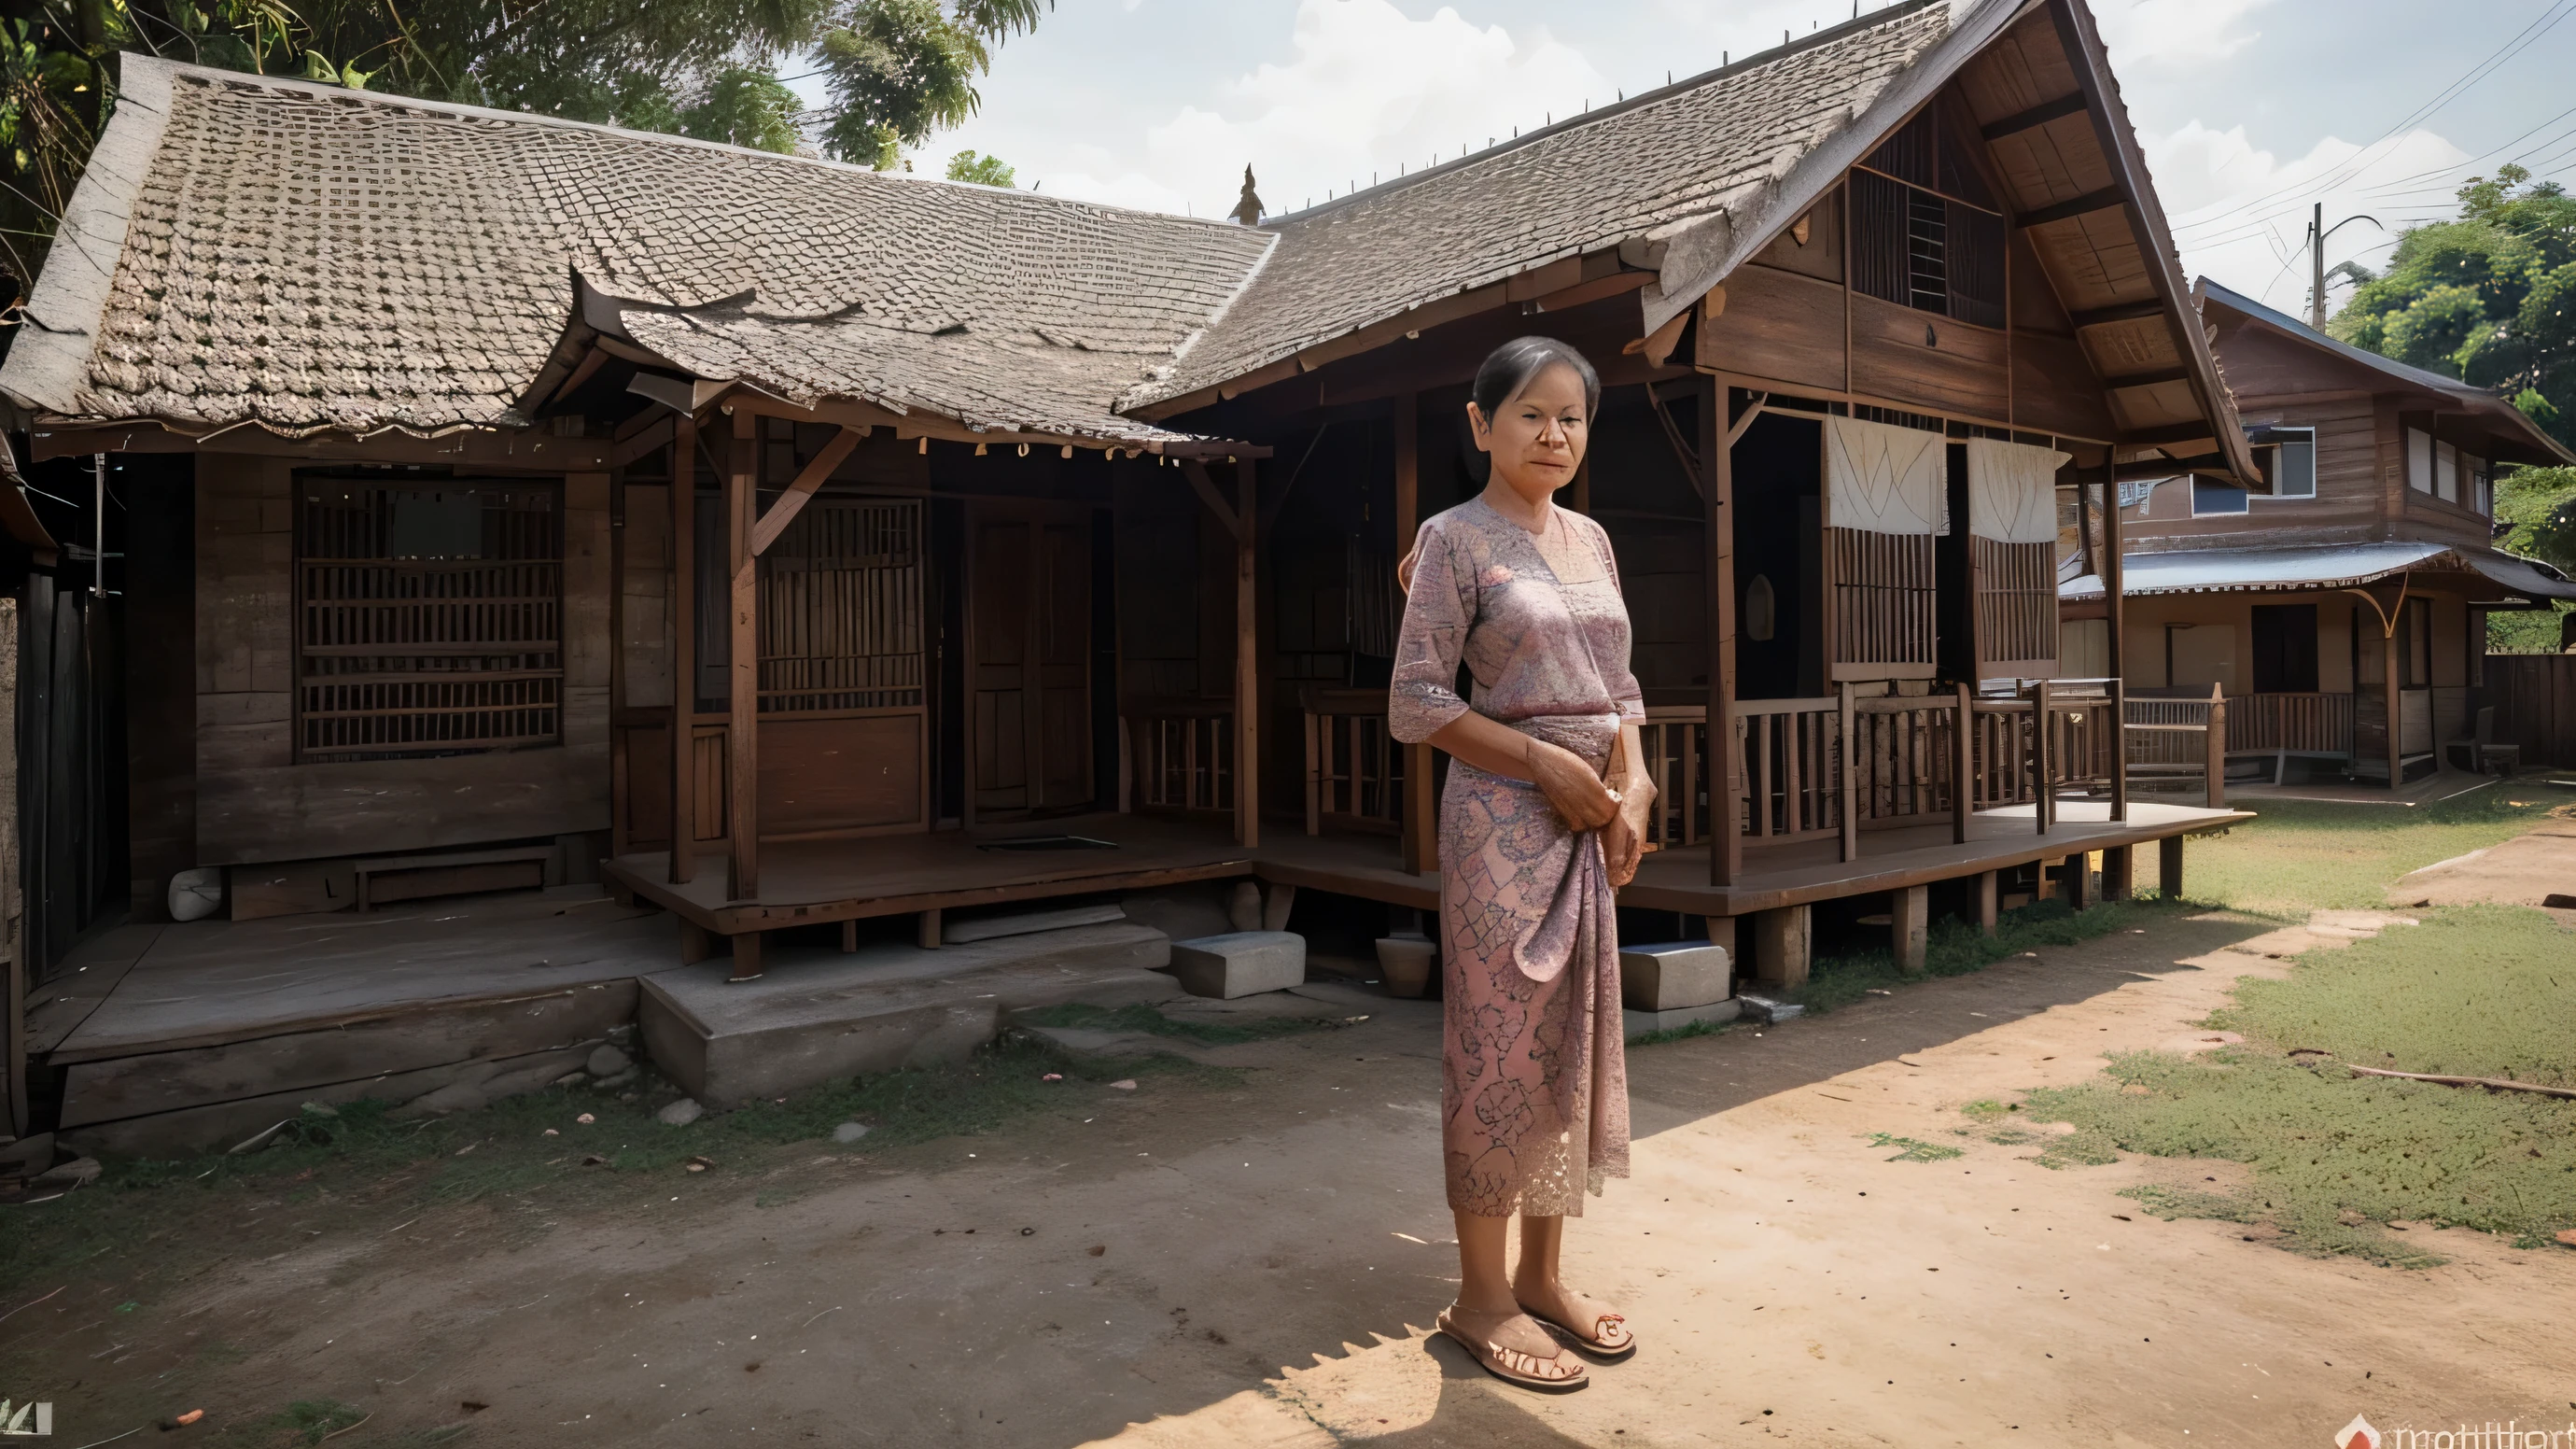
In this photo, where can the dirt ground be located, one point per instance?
(1256, 1265)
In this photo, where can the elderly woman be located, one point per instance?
(1542, 819)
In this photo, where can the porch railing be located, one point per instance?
(2167, 737)
(2315, 723)
(1184, 752)
(1354, 768)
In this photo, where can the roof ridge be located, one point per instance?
(1841, 30)
(294, 84)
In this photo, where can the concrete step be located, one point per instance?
(818, 1015)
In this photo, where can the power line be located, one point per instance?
(2523, 40)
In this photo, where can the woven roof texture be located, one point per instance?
(307, 258)
(1585, 184)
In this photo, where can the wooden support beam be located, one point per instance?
(1963, 766)
(2079, 880)
(2106, 199)
(1910, 927)
(850, 937)
(1567, 298)
(2044, 873)
(2115, 585)
(747, 957)
(2169, 867)
(2118, 312)
(2396, 697)
(2037, 116)
(1722, 934)
(1717, 541)
(792, 502)
(742, 721)
(2119, 872)
(1850, 772)
(1987, 885)
(1197, 473)
(684, 652)
(2214, 747)
(1782, 940)
(1421, 825)
(2042, 794)
(697, 943)
(1247, 661)
(640, 444)
(2140, 469)
(926, 928)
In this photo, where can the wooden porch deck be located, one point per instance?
(813, 882)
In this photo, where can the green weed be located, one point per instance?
(1913, 1151)
(1956, 948)
(1685, 1032)
(2300, 855)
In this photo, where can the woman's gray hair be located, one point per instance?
(1510, 368)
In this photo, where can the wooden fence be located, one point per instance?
(2534, 698)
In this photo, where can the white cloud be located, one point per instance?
(2175, 33)
(1366, 90)
(2241, 213)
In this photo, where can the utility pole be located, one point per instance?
(2317, 269)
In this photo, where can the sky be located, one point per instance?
(2250, 111)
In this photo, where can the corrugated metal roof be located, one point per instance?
(2323, 566)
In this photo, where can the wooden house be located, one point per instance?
(2356, 590)
(790, 547)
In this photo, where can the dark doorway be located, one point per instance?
(2285, 649)
(1779, 473)
(1028, 665)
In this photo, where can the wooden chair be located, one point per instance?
(2482, 749)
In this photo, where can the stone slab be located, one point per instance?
(968, 929)
(1640, 1023)
(1674, 975)
(1240, 963)
(818, 1015)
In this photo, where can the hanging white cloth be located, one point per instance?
(2012, 491)
(1884, 479)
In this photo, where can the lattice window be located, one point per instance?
(841, 608)
(429, 616)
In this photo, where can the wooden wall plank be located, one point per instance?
(381, 807)
(1777, 325)
(1911, 357)
(2054, 388)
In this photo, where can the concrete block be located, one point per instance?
(1640, 1023)
(1674, 975)
(1240, 963)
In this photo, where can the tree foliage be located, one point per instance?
(2485, 298)
(982, 170)
(897, 70)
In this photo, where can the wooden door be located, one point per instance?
(1028, 664)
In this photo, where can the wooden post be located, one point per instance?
(849, 937)
(2115, 569)
(1986, 903)
(2079, 879)
(684, 650)
(2214, 751)
(2119, 748)
(1963, 792)
(1721, 934)
(1421, 838)
(2044, 878)
(1315, 776)
(1850, 753)
(1783, 935)
(1909, 927)
(2169, 867)
(2388, 667)
(2119, 872)
(742, 722)
(1725, 759)
(2041, 795)
(1247, 661)
(927, 927)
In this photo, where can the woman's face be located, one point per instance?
(1537, 439)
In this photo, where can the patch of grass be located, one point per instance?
(2481, 991)
(360, 1155)
(1956, 948)
(1913, 1151)
(1140, 1017)
(308, 1421)
(2298, 855)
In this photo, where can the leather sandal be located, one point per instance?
(1499, 1361)
(1594, 1344)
